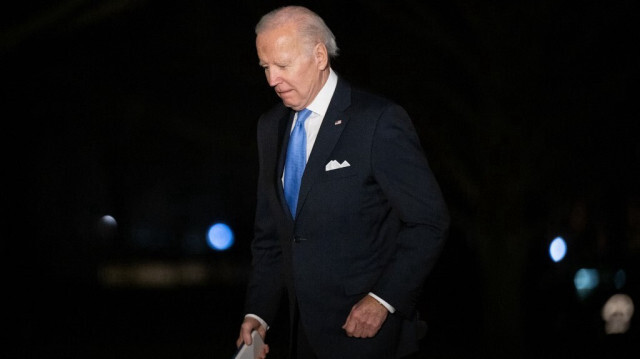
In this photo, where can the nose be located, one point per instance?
(273, 77)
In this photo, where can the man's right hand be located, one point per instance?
(248, 326)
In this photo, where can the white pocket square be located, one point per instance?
(334, 165)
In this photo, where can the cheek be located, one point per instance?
(302, 82)
(301, 75)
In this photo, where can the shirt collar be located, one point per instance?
(320, 104)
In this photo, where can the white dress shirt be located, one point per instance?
(318, 108)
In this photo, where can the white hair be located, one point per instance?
(310, 26)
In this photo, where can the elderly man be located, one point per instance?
(349, 218)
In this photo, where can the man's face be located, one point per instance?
(293, 70)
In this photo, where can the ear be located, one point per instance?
(321, 56)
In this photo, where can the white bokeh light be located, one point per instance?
(617, 313)
(558, 249)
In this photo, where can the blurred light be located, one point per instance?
(157, 274)
(617, 313)
(109, 221)
(586, 280)
(558, 249)
(620, 279)
(107, 227)
(220, 237)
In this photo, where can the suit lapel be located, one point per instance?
(332, 125)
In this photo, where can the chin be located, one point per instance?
(291, 106)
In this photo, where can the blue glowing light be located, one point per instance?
(558, 249)
(620, 279)
(586, 279)
(220, 237)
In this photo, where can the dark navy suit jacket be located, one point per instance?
(375, 226)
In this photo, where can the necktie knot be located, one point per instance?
(302, 116)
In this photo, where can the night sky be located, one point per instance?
(146, 111)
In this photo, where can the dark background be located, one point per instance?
(146, 111)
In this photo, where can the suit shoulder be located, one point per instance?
(273, 116)
(277, 111)
(364, 100)
(370, 98)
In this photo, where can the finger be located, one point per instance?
(264, 353)
(351, 323)
(240, 339)
(349, 326)
(353, 328)
(263, 332)
(246, 334)
(368, 332)
(357, 331)
(346, 321)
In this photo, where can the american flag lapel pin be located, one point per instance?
(338, 122)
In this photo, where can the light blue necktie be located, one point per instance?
(295, 162)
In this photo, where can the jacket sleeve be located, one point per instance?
(266, 284)
(401, 169)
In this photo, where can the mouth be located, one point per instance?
(283, 92)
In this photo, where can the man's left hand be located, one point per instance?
(366, 318)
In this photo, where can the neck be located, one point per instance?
(324, 76)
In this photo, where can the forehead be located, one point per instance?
(280, 41)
